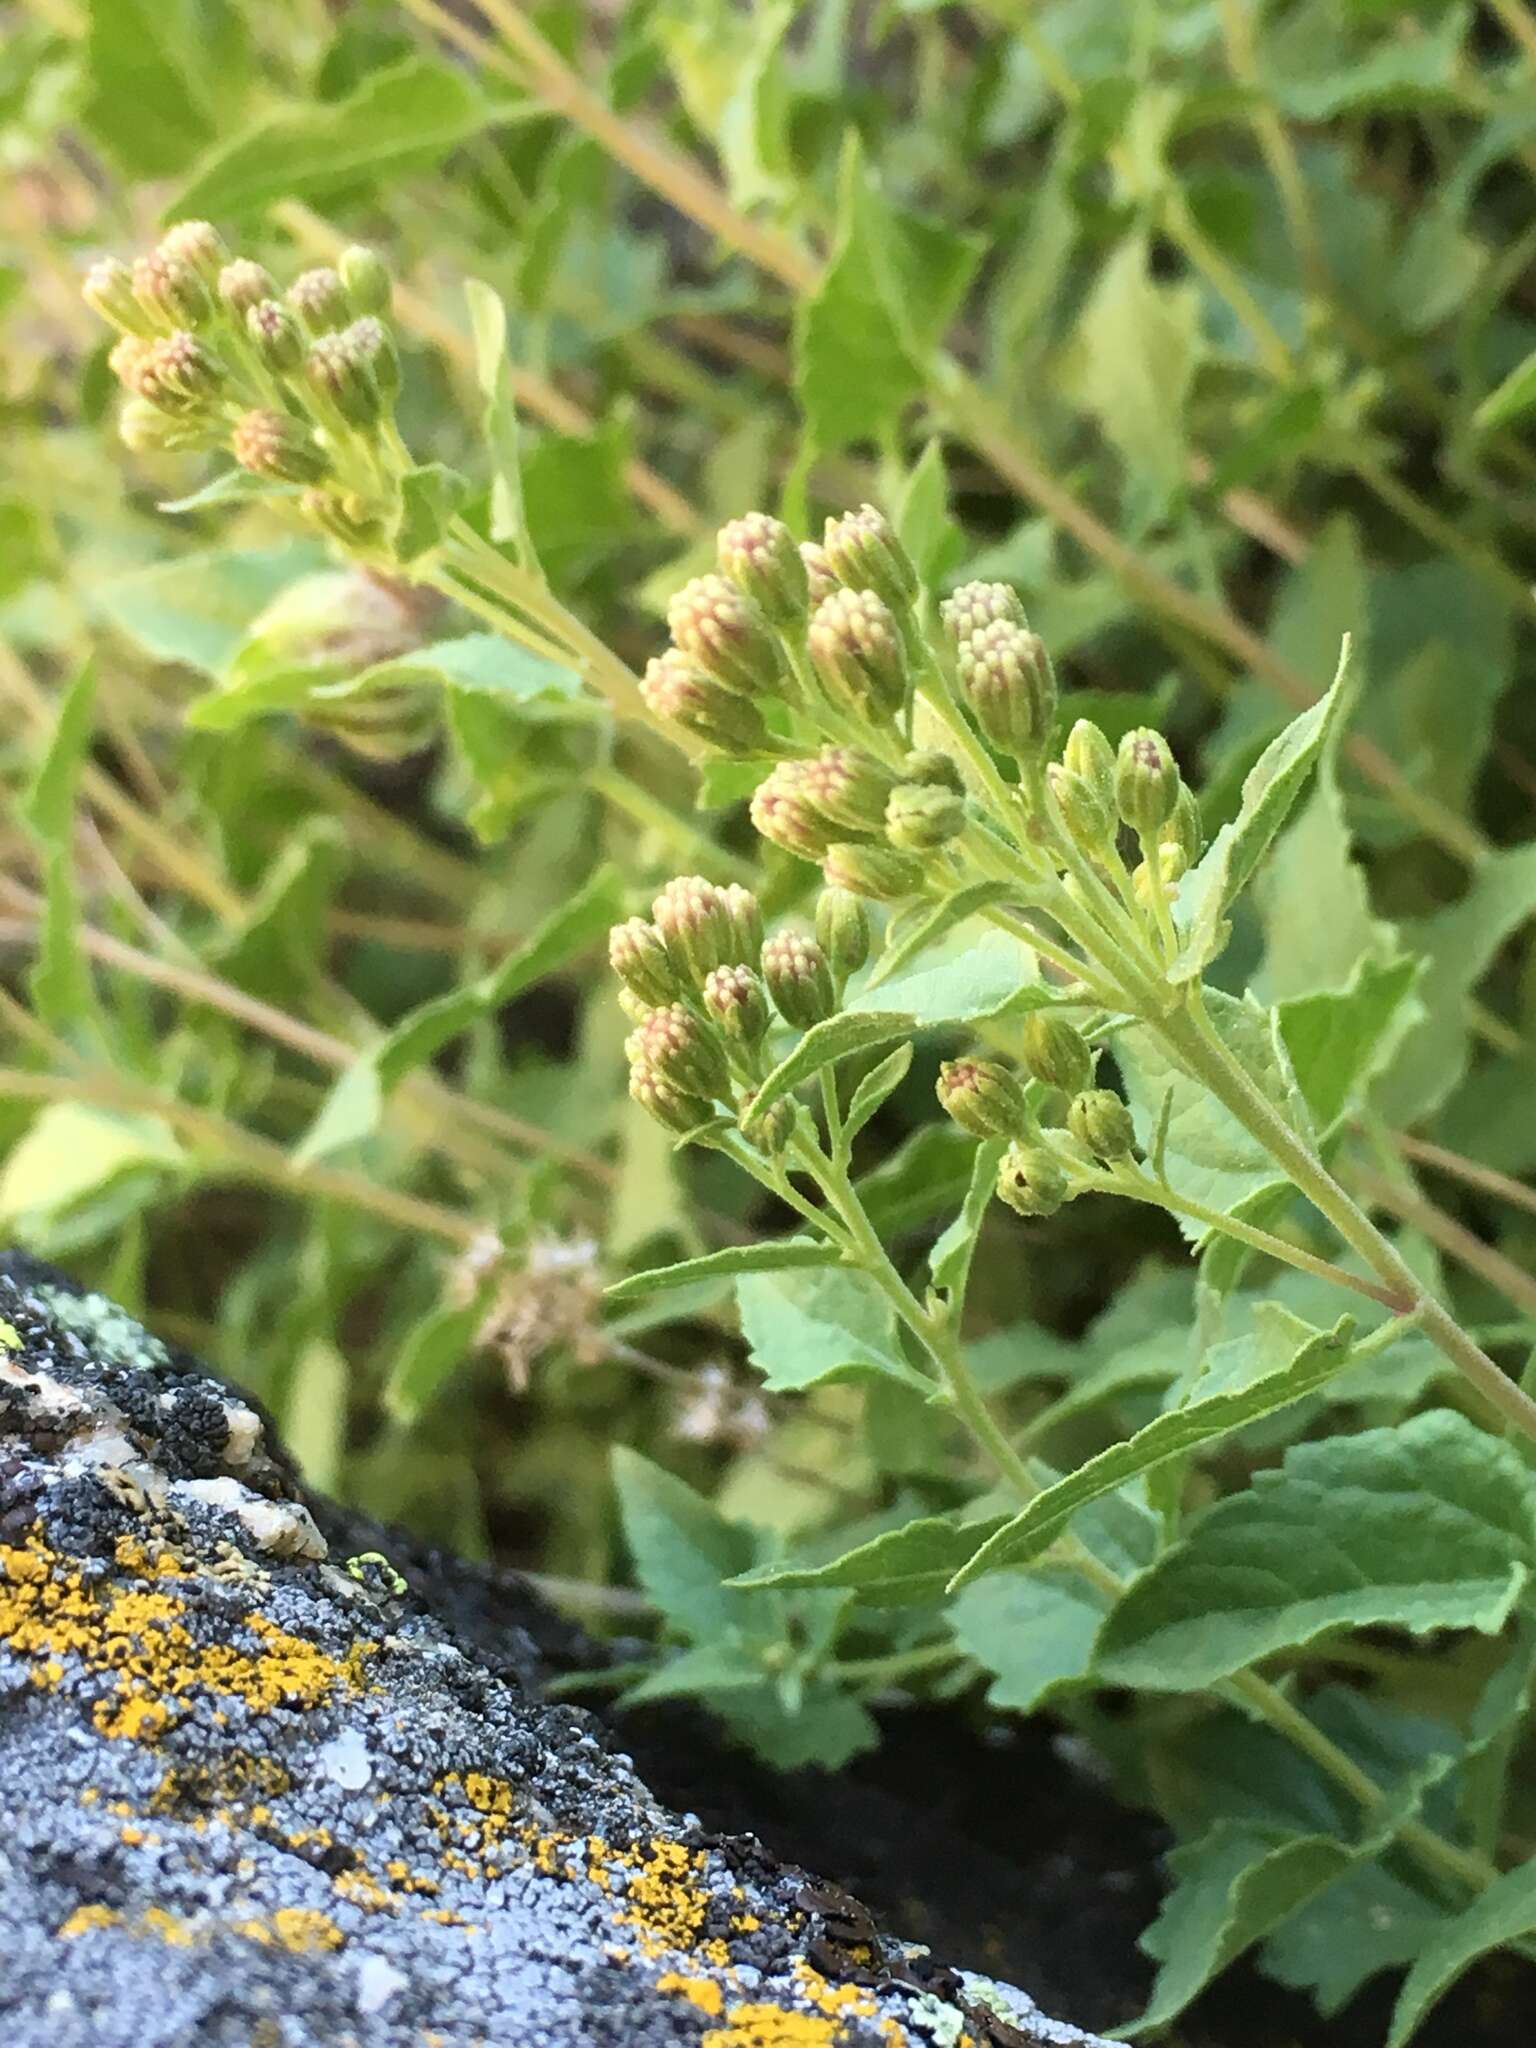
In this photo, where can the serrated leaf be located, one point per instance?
(1270, 789)
(684, 1550)
(949, 1263)
(1317, 1358)
(805, 1327)
(1428, 1525)
(1505, 1912)
(776, 1256)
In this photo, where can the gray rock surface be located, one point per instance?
(256, 1790)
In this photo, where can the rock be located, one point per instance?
(263, 1783)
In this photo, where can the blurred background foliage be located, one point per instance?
(1202, 323)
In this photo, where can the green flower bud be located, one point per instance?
(819, 576)
(243, 284)
(319, 299)
(1056, 1052)
(1184, 829)
(199, 246)
(975, 606)
(1031, 1180)
(933, 766)
(273, 444)
(275, 336)
(883, 873)
(678, 693)
(108, 291)
(696, 926)
(842, 931)
(171, 293)
(1088, 754)
(857, 648)
(345, 516)
(759, 556)
(772, 1131)
(638, 955)
(783, 813)
(864, 554)
(984, 1099)
(338, 373)
(1090, 824)
(1146, 781)
(799, 979)
(1005, 675)
(365, 279)
(1101, 1124)
(723, 633)
(178, 374)
(847, 788)
(372, 344)
(673, 1045)
(146, 430)
(921, 817)
(746, 922)
(673, 1108)
(734, 997)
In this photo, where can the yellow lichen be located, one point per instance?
(299, 1929)
(703, 1992)
(86, 1919)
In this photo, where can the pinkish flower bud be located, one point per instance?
(1005, 676)
(722, 632)
(108, 290)
(672, 1044)
(734, 997)
(243, 284)
(171, 293)
(338, 372)
(674, 1109)
(1146, 781)
(984, 1099)
(883, 873)
(759, 556)
(638, 955)
(858, 651)
(799, 979)
(178, 374)
(821, 579)
(696, 926)
(864, 554)
(198, 245)
(273, 444)
(319, 299)
(746, 922)
(848, 788)
(274, 334)
(783, 813)
(681, 694)
(975, 606)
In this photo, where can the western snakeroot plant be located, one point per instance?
(995, 871)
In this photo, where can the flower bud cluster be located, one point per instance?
(299, 386)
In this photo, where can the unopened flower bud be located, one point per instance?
(679, 693)
(197, 244)
(146, 430)
(1090, 824)
(126, 357)
(746, 922)
(1101, 1124)
(883, 873)
(673, 1108)
(820, 578)
(857, 648)
(638, 955)
(319, 299)
(371, 343)
(697, 928)
(783, 813)
(722, 632)
(799, 979)
(178, 374)
(865, 554)
(984, 1099)
(1146, 781)
(921, 817)
(635, 1008)
(171, 293)
(847, 788)
(1005, 675)
(842, 931)
(365, 279)
(338, 373)
(108, 290)
(1056, 1052)
(1184, 829)
(345, 516)
(1031, 1180)
(243, 284)
(734, 997)
(273, 444)
(933, 766)
(760, 557)
(976, 606)
(274, 334)
(672, 1044)
(1088, 754)
(773, 1129)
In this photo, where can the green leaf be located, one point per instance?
(876, 1086)
(433, 1351)
(1339, 1040)
(1270, 789)
(777, 1255)
(935, 921)
(1509, 400)
(922, 520)
(405, 118)
(230, 487)
(834, 1039)
(73, 1151)
(963, 980)
(1307, 1360)
(1429, 1525)
(949, 1262)
(1505, 1912)
(499, 424)
(196, 609)
(162, 78)
(49, 804)
(684, 1551)
(60, 982)
(430, 499)
(1034, 1631)
(912, 1563)
(805, 1327)
(1139, 344)
(274, 949)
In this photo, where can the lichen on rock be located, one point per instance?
(251, 1795)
